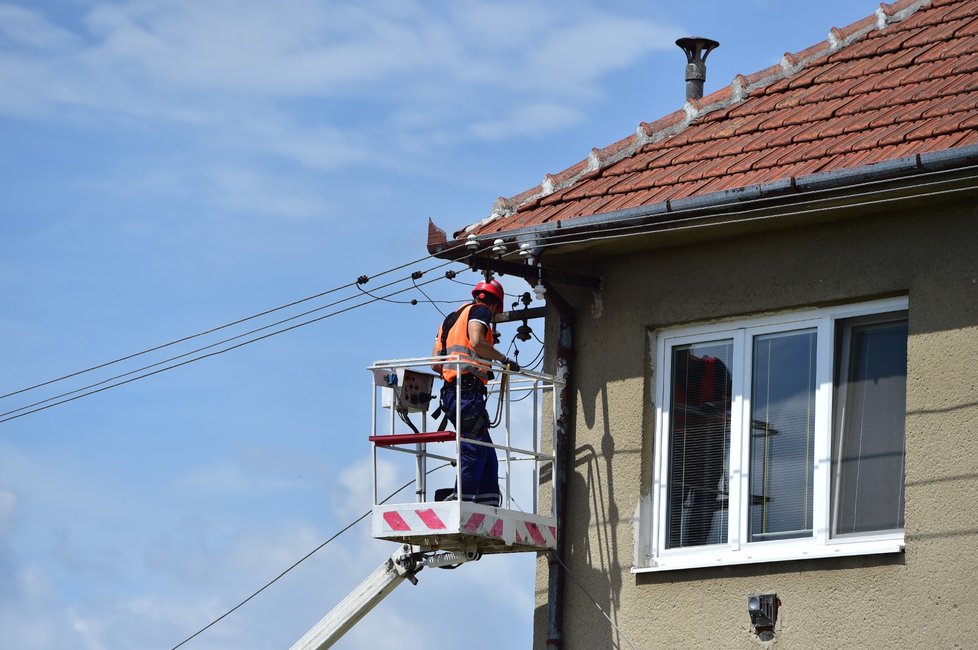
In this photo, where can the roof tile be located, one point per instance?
(969, 121)
(970, 28)
(908, 56)
(936, 15)
(938, 106)
(906, 89)
(966, 63)
(936, 33)
(751, 162)
(897, 135)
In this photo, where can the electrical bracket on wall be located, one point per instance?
(532, 273)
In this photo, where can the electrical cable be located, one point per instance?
(101, 386)
(469, 284)
(276, 578)
(503, 383)
(414, 301)
(198, 358)
(206, 347)
(414, 281)
(581, 587)
(216, 329)
(393, 302)
(298, 562)
(361, 279)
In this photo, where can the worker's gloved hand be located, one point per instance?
(511, 365)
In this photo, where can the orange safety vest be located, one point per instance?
(458, 347)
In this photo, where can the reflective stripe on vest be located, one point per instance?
(459, 348)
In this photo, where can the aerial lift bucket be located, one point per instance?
(524, 407)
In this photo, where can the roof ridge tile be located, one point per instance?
(741, 89)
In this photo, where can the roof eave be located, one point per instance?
(704, 210)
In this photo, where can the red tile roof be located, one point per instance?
(903, 81)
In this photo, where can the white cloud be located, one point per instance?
(88, 631)
(528, 120)
(581, 51)
(34, 584)
(251, 471)
(354, 486)
(25, 27)
(221, 61)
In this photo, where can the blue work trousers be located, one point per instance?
(480, 468)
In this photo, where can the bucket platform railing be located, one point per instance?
(521, 406)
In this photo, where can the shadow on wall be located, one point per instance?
(593, 546)
(592, 549)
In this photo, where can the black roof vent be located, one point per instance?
(696, 48)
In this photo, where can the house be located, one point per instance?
(774, 380)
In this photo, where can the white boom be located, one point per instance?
(402, 565)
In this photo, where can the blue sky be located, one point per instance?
(169, 166)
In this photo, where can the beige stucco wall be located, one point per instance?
(926, 597)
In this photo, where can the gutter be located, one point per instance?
(649, 218)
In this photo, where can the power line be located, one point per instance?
(208, 347)
(219, 327)
(296, 563)
(203, 356)
(106, 384)
(414, 280)
(593, 601)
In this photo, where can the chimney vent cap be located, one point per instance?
(697, 47)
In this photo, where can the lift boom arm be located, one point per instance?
(402, 565)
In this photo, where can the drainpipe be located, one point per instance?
(563, 465)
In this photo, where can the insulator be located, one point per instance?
(525, 250)
(499, 247)
(524, 332)
(540, 291)
(472, 243)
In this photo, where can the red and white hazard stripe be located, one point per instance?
(508, 526)
(523, 531)
(411, 520)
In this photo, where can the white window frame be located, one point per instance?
(651, 553)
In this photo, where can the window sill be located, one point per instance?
(771, 552)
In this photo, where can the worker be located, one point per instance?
(467, 335)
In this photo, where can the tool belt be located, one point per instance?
(469, 385)
(469, 382)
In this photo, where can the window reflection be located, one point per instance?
(782, 435)
(868, 485)
(699, 444)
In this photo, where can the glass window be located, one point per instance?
(781, 437)
(869, 433)
(699, 443)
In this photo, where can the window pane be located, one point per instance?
(782, 436)
(869, 439)
(699, 444)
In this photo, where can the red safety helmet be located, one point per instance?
(493, 288)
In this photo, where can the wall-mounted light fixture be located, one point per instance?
(763, 610)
